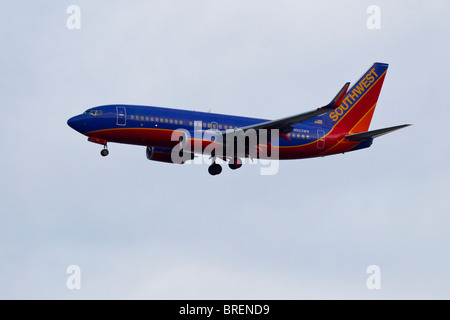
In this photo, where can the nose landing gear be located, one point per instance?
(105, 151)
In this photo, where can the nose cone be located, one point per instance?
(76, 123)
(71, 122)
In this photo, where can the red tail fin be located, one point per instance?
(356, 110)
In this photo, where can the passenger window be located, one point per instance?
(132, 117)
(181, 121)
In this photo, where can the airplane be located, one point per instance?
(338, 127)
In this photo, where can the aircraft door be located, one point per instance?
(320, 139)
(121, 116)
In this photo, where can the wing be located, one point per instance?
(285, 124)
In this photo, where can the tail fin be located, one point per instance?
(356, 110)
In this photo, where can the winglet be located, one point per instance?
(336, 102)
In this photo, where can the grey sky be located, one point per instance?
(147, 230)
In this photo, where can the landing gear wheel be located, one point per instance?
(215, 169)
(235, 164)
(104, 152)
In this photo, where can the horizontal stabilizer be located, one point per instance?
(374, 133)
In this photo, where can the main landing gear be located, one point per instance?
(235, 164)
(215, 169)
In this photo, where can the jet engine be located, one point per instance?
(163, 155)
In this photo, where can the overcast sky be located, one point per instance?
(139, 229)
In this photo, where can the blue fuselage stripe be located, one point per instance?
(139, 117)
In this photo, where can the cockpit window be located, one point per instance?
(94, 112)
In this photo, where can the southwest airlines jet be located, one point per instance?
(174, 136)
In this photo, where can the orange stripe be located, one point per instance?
(340, 141)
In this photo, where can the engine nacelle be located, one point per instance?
(160, 154)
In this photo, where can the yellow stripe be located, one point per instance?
(363, 117)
